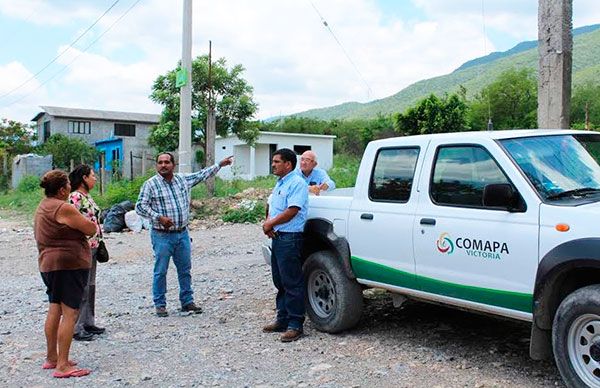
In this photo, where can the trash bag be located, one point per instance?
(114, 221)
(133, 221)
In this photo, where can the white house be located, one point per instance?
(251, 162)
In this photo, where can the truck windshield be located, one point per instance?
(560, 167)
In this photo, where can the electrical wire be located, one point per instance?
(369, 90)
(61, 53)
(65, 67)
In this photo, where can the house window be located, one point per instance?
(124, 129)
(80, 127)
(47, 133)
(300, 149)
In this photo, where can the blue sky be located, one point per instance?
(291, 59)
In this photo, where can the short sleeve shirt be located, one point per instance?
(317, 176)
(290, 191)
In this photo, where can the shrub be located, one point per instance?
(344, 170)
(28, 184)
(119, 191)
(246, 211)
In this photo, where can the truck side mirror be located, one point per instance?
(502, 195)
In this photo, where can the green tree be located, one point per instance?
(510, 101)
(227, 92)
(63, 149)
(586, 94)
(15, 138)
(434, 115)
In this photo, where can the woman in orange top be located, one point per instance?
(64, 262)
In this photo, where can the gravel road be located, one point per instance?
(418, 345)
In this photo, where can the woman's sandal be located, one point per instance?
(71, 373)
(52, 365)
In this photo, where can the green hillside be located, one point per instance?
(586, 67)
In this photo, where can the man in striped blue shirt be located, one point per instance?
(165, 200)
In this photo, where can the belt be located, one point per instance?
(290, 233)
(170, 230)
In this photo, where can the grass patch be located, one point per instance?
(344, 170)
(28, 195)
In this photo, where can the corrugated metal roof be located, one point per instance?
(94, 114)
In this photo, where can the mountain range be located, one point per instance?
(473, 75)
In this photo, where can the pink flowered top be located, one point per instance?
(86, 206)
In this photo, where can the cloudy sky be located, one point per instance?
(291, 59)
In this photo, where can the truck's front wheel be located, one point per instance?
(576, 337)
(333, 301)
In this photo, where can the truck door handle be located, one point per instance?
(366, 216)
(427, 221)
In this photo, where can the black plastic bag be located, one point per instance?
(114, 221)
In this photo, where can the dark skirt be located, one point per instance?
(66, 286)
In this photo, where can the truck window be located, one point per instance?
(393, 174)
(460, 175)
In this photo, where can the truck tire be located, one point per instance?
(576, 338)
(333, 301)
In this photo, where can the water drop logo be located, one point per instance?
(445, 244)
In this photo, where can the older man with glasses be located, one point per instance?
(316, 178)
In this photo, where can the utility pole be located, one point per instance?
(211, 124)
(555, 45)
(185, 106)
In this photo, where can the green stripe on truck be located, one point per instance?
(364, 269)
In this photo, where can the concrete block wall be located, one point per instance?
(29, 164)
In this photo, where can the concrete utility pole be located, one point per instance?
(211, 123)
(555, 44)
(185, 107)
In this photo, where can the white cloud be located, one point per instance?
(56, 12)
(290, 57)
(20, 104)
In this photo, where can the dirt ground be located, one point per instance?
(418, 345)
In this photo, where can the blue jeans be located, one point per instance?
(176, 245)
(286, 268)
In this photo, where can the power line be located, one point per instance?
(369, 91)
(65, 67)
(61, 53)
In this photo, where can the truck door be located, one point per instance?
(381, 216)
(465, 250)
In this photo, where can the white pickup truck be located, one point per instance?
(505, 223)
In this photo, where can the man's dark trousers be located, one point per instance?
(286, 267)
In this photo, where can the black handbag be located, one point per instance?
(102, 253)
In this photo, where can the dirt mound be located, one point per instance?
(207, 213)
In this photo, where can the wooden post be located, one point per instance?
(587, 115)
(130, 165)
(5, 164)
(555, 47)
(102, 174)
(144, 163)
(72, 165)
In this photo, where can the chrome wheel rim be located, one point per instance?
(584, 348)
(321, 293)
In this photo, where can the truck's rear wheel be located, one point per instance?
(576, 338)
(333, 301)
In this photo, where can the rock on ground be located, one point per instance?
(418, 345)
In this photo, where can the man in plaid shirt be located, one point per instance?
(165, 200)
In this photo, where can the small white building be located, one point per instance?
(251, 162)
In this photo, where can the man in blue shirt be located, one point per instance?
(316, 178)
(285, 225)
(165, 200)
